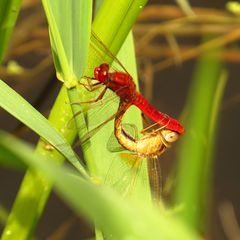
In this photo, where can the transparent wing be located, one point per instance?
(102, 111)
(153, 166)
(98, 54)
(128, 172)
(92, 132)
(113, 145)
(155, 178)
(133, 167)
(104, 53)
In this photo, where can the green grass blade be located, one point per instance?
(69, 27)
(103, 158)
(196, 151)
(35, 188)
(69, 36)
(8, 14)
(124, 219)
(112, 29)
(119, 19)
(13, 103)
(23, 231)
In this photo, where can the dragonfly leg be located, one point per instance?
(149, 125)
(144, 131)
(91, 87)
(95, 100)
(145, 119)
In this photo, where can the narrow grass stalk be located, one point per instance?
(124, 219)
(8, 14)
(112, 29)
(197, 147)
(186, 7)
(35, 189)
(28, 115)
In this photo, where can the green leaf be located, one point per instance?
(194, 172)
(112, 29)
(112, 166)
(8, 14)
(69, 36)
(35, 188)
(119, 19)
(124, 219)
(69, 39)
(115, 32)
(13, 103)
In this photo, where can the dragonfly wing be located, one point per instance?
(131, 129)
(97, 118)
(101, 111)
(102, 49)
(114, 146)
(96, 129)
(127, 172)
(155, 178)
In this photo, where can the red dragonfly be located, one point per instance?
(121, 82)
(152, 144)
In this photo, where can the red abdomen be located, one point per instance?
(158, 117)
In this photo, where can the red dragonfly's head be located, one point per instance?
(101, 72)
